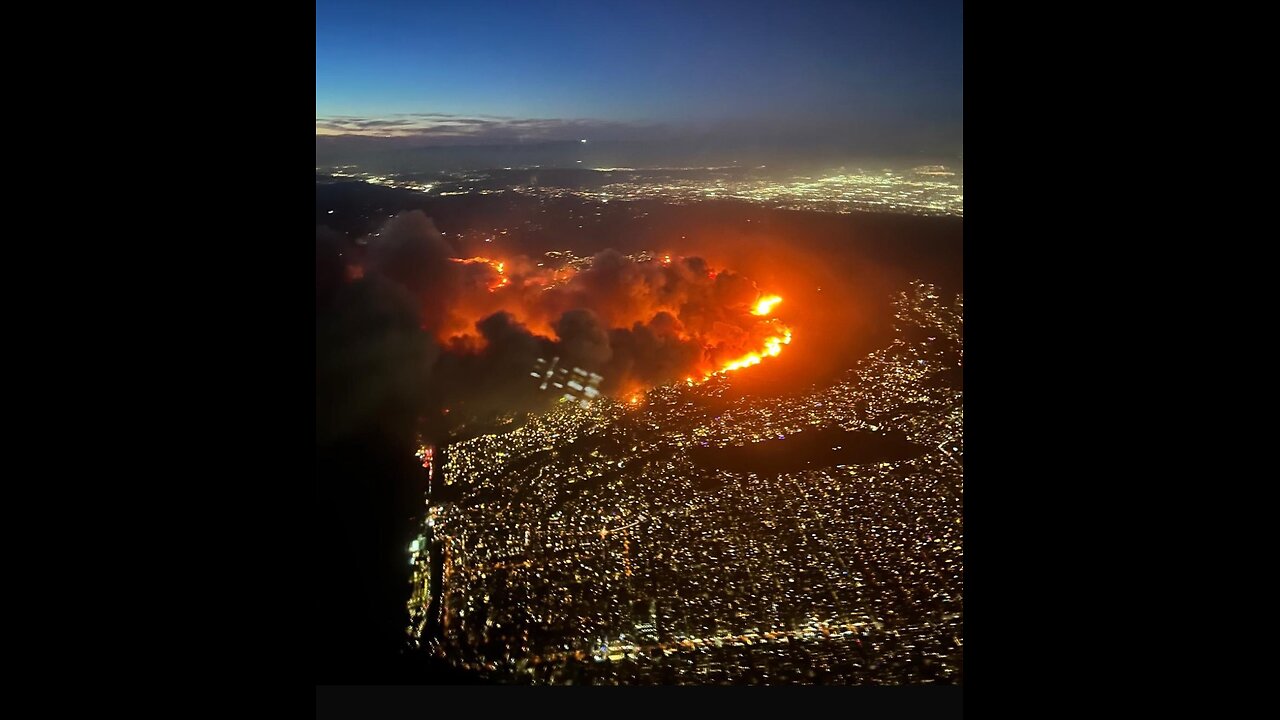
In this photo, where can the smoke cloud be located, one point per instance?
(481, 323)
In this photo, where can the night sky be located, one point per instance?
(481, 70)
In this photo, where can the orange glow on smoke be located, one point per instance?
(497, 265)
(772, 345)
(765, 305)
(772, 348)
(534, 295)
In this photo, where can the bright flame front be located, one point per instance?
(765, 305)
(772, 348)
(497, 265)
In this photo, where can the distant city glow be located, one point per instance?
(924, 190)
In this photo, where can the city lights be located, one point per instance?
(602, 544)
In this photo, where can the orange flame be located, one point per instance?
(772, 344)
(770, 334)
(772, 348)
(497, 265)
(765, 305)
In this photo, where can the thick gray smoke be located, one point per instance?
(461, 335)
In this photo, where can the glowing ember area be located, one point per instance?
(765, 305)
(498, 266)
(426, 453)
(639, 321)
(772, 348)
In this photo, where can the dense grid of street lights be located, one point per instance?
(924, 190)
(588, 546)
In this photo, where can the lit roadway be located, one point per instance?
(752, 638)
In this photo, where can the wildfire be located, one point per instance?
(765, 305)
(772, 344)
(426, 454)
(497, 265)
(756, 320)
(772, 348)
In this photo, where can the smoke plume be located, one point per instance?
(638, 321)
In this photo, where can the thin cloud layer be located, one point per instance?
(445, 128)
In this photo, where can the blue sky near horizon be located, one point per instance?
(790, 66)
